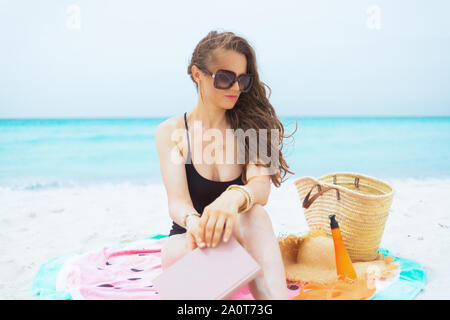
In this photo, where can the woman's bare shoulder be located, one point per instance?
(170, 132)
(169, 125)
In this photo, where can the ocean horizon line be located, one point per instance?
(280, 116)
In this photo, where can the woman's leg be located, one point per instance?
(253, 229)
(173, 250)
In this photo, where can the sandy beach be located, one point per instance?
(42, 224)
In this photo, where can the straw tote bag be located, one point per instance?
(361, 204)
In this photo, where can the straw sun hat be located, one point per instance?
(310, 258)
(361, 205)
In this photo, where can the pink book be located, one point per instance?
(208, 274)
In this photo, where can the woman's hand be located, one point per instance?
(220, 214)
(193, 236)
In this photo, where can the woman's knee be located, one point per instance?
(257, 215)
(256, 219)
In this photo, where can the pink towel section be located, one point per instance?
(114, 273)
(121, 273)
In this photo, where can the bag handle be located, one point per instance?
(307, 201)
(356, 181)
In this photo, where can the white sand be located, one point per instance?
(39, 225)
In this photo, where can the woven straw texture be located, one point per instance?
(361, 204)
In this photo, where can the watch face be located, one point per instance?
(186, 216)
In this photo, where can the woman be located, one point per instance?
(201, 204)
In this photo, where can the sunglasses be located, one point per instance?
(224, 79)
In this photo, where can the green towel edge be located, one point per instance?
(411, 282)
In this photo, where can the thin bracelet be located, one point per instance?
(245, 206)
(246, 192)
(250, 205)
(186, 216)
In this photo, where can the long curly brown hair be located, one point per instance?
(253, 109)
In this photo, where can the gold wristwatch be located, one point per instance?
(187, 215)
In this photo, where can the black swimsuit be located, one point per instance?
(202, 191)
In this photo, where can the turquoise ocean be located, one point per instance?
(54, 153)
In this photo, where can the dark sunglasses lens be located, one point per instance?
(224, 79)
(245, 82)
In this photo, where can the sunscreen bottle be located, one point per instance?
(344, 264)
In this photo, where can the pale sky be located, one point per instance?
(90, 58)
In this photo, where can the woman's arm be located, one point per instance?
(258, 181)
(222, 211)
(172, 168)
